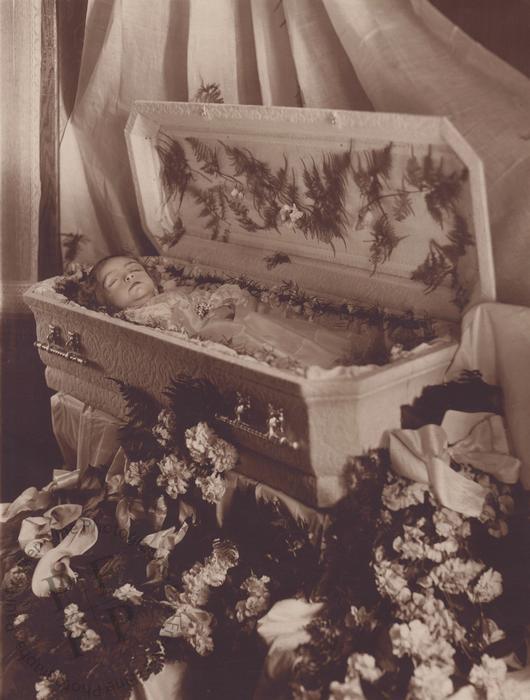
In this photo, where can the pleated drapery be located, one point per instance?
(386, 55)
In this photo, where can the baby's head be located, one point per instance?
(122, 282)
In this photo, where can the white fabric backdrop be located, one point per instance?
(349, 54)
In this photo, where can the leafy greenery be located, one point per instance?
(442, 261)
(209, 92)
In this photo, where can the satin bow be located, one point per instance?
(284, 628)
(476, 439)
(53, 573)
(33, 499)
(35, 537)
(163, 543)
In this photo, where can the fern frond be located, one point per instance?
(209, 92)
(175, 171)
(205, 154)
(384, 241)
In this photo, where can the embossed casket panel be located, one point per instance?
(360, 207)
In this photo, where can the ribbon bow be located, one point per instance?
(283, 629)
(33, 499)
(53, 573)
(163, 543)
(35, 537)
(476, 439)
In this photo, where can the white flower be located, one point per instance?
(402, 493)
(258, 600)
(20, 619)
(212, 487)
(198, 440)
(72, 612)
(174, 475)
(433, 612)
(449, 523)
(364, 665)
(295, 214)
(390, 580)
(489, 677)
(90, 640)
(487, 588)
(165, 426)
(136, 471)
(360, 617)
(223, 455)
(49, 685)
(410, 639)
(75, 629)
(430, 683)
(290, 212)
(74, 621)
(129, 593)
(455, 575)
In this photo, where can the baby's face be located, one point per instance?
(123, 283)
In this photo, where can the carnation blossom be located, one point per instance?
(128, 593)
(402, 493)
(212, 487)
(198, 440)
(49, 686)
(489, 677)
(455, 575)
(364, 665)
(487, 588)
(258, 600)
(430, 682)
(90, 640)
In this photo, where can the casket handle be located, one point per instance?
(276, 428)
(70, 351)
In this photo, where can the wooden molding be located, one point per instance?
(49, 253)
(20, 79)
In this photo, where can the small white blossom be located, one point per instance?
(49, 686)
(198, 440)
(430, 683)
(487, 588)
(90, 640)
(455, 575)
(128, 593)
(390, 580)
(20, 619)
(364, 665)
(402, 493)
(212, 487)
(489, 677)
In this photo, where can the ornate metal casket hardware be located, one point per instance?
(69, 351)
(275, 425)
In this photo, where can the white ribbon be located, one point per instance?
(33, 499)
(283, 629)
(35, 537)
(163, 543)
(477, 439)
(53, 573)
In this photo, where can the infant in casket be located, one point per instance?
(222, 313)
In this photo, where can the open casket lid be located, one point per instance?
(380, 208)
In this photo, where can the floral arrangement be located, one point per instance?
(447, 608)
(108, 579)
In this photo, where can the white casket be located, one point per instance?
(352, 211)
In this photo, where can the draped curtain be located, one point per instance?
(385, 55)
